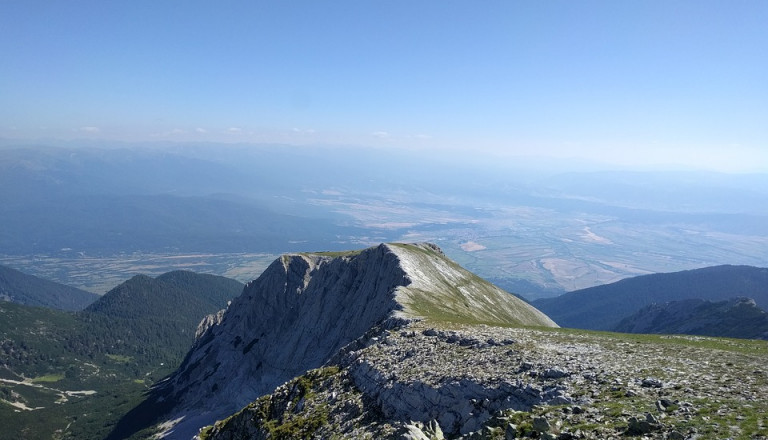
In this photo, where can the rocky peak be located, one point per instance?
(304, 308)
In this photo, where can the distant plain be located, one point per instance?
(537, 229)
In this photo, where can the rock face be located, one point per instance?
(303, 310)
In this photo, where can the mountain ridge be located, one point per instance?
(602, 307)
(733, 318)
(302, 310)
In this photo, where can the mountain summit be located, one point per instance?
(301, 311)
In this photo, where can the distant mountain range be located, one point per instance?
(735, 318)
(18, 287)
(124, 200)
(126, 223)
(604, 307)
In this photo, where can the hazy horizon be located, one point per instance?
(533, 160)
(646, 85)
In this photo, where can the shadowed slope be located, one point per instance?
(602, 307)
(18, 287)
(735, 318)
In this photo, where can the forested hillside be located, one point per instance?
(26, 289)
(735, 318)
(75, 373)
(602, 307)
(154, 319)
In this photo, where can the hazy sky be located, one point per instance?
(625, 81)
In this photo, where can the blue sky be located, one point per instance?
(626, 82)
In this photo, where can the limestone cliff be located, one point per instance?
(306, 307)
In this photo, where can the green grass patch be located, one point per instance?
(745, 346)
(205, 432)
(298, 426)
(48, 378)
(120, 358)
(334, 254)
(716, 419)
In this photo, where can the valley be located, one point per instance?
(557, 243)
(99, 274)
(533, 228)
(549, 251)
(51, 389)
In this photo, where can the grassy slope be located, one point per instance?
(444, 291)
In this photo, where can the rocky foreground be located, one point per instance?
(432, 379)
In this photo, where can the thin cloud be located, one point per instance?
(234, 130)
(201, 130)
(170, 133)
(89, 129)
(380, 134)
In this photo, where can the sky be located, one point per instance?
(626, 82)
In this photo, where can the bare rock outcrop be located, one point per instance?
(446, 380)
